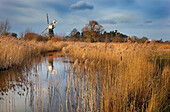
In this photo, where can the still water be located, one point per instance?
(42, 87)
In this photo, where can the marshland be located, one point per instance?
(82, 76)
(84, 55)
(97, 72)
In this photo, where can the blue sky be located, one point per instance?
(150, 18)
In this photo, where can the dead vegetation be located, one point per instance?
(121, 77)
(105, 77)
(16, 53)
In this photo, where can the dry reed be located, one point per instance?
(122, 77)
(113, 78)
(16, 53)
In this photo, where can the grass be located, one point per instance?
(112, 77)
(16, 53)
(123, 77)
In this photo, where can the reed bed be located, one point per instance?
(105, 77)
(16, 53)
(119, 77)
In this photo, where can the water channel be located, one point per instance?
(42, 87)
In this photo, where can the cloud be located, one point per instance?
(154, 9)
(123, 2)
(81, 5)
(148, 21)
(168, 25)
(126, 21)
(107, 22)
(132, 17)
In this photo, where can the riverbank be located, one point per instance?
(17, 52)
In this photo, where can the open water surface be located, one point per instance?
(42, 87)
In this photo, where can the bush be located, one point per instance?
(58, 38)
(5, 33)
(14, 35)
(30, 36)
(134, 39)
(142, 40)
(41, 38)
(117, 39)
(168, 42)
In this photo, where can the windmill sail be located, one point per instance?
(47, 19)
(50, 27)
(44, 30)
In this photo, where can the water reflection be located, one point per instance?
(52, 85)
(42, 88)
(13, 87)
(51, 67)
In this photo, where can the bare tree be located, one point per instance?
(75, 34)
(4, 27)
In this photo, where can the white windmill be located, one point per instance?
(50, 27)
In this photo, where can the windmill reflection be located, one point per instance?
(51, 69)
(50, 65)
(28, 89)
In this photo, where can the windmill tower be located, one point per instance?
(50, 27)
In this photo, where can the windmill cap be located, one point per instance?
(55, 21)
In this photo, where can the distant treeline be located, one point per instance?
(92, 32)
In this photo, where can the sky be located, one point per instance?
(149, 18)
